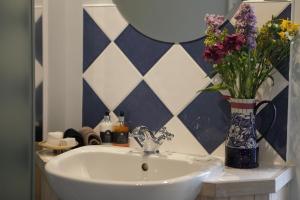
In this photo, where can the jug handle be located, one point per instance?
(273, 118)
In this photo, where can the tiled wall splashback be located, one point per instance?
(156, 84)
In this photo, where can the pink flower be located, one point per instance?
(215, 53)
(214, 21)
(234, 42)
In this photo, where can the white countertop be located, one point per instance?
(265, 179)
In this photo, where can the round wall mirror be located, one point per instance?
(173, 20)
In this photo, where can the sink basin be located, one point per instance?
(116, 173)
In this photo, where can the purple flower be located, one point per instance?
(214, 22)
(246, 24)
(215, 53)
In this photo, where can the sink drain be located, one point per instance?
(145, 167)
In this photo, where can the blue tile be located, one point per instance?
(93, 108)
(227, 25)
(141, 50)
(196, 47)
(94, 40)
(286, 13)
(284, 68)
(277, 137)
(143, 107)
(39, 40)
(39, 113)
(208, 119)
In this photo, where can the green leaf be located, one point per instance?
(213, 88)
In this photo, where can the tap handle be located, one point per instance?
(165, 134)
(136, 133)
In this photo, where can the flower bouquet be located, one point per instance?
(244, 60)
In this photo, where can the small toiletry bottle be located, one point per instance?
(120, 132)
(106, 129)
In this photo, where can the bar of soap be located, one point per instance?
(69, 141)
(57, 135)
(54, 138)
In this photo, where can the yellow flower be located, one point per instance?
(284, 24)
(282, 35)
(289, 26)
(292, 27)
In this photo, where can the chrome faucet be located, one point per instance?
(150, 141)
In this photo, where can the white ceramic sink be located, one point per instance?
(112, 173)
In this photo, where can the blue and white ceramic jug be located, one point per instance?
(242, 142)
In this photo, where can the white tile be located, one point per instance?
(268, 91)
(176, 78)
(183, 141)
(217, 80)
(112, 76)
(109, 19)
(38, 73)
(265, 10)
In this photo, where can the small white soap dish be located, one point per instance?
(62, 145)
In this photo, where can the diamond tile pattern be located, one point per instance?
(93, 109)
(112, 76)
(269, 89)
(155, 83)
(177, 89)
(183, 140)
(208, 119)
(277, 136)
(38, 68)
(286, 13)
(94, 40)
(143, 107)
(142, 51)
(109, 19)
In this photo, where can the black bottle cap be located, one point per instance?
(121, 114)
(107, 113)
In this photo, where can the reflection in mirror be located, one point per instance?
(169, 20)
(38, 16)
